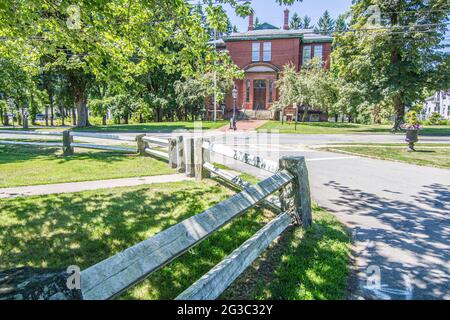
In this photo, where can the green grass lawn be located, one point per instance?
(435, 155)
(156, 126)
(32, 165)
(84, 228)
(137, 127)
(344, 128)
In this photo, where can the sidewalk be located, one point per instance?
(87, 185)
(243, 125)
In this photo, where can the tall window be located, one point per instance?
(318, 52)
(247, 91)
(256, 52)
(271, 82)
(306, 55)
(267, 53)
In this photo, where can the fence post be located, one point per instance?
(200, 157)
(181, 161)
(189, 157)
(296, 196)
(141, 144)
(67, 141)
(173, 153)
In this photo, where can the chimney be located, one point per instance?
(251, 25)
(286, 19)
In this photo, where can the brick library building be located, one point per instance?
(262, 52)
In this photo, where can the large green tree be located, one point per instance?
(340, 24)
(296, 22)
(393, 53)
(311, 88)
(93, 41)
(307, 22)
(326, 24)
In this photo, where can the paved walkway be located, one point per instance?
(87, 185)
(244, 125)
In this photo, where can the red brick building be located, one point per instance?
(262, 53)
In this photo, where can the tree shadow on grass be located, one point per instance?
(425, 151)
(311, 264)
(21, 153)
(85, 228)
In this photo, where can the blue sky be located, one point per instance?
(269, 11)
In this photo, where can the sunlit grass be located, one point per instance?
(133, 127)
(425, 155)
(344, 128)
(32, 165)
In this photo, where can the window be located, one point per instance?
(318, 52)
(267, 54)
(271, 82)
(247, 91)
(256, 52)
(306, 55)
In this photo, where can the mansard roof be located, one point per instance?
(307, 35)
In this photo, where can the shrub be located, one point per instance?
(435, 118)
(412, 122)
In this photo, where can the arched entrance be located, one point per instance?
(259, 86)
(259, 94)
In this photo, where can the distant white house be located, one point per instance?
(439, 102)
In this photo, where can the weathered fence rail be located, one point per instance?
(32, 133)
(246, 158)
(102, 136)
(116, 274)
(68, 143)
(213, 283)
(153, 146)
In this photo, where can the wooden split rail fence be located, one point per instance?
(68, 143)
(116, 274)
(110, 277)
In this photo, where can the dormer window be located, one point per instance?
(267, 53)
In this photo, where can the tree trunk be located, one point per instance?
(82, 114)
(398, 99)
(104, 120)
(19, 117)
(305, 114)
(141, 118)
(78, 88)
(5, 117)
(61, 109)
(336, 118)
(74, 116)
(399, 107)
(46, 115)
(125, 118)
(52, 114)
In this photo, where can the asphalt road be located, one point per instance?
(398, 213)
